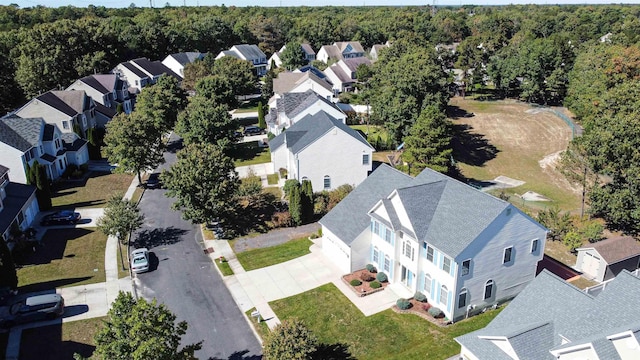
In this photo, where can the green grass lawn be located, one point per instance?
(68, 257)
(261, 327)
(94, 192)
(263, 257)
(123, 271)
(224, 267)
(272, 179)
(374, 131)
(386, 335)
(250, 154)
(60, 341)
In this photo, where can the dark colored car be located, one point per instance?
(61, 217)
(153, 182)
(34, 308)
(253, 130)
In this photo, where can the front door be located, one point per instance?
(406, 277)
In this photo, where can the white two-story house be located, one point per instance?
(343, 73)
(18, 205)
(291, 107)
(299, 82)
(177, 62)
(323, 150)
(250, 53)
(107, 90)
(462, 248)
(340, 50)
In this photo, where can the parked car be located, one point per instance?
(140, 260)
(34, 308)
(61, 217)
(153, 182)
(252, 130)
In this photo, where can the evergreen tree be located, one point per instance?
(429, 142)
(29, 173)
(295, 205)
(261, 122)
(8, 275)
(43, 192)
(290, 340)
(306, 201)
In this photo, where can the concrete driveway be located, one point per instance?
(261, 170)
(89, 217)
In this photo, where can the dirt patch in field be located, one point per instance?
(507, 138)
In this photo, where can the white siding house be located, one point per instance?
(462, 248)
(250, 53)
(291, 107)
(177, 62)
(324, 150)
(18, 205)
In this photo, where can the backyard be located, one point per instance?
(94, 191)
(386, 335)
(67, 257)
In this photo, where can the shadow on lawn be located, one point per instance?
(469, 148)
(155, 237)
(246, 151)
(46, 343)
(48, 285)
(239, 355)
(52, 247)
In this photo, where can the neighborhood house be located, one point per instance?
(462, 248)
(291, 107)
(18, 205)
(250, 53)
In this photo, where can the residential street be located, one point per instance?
(184, 278)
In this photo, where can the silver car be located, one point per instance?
(140, 260)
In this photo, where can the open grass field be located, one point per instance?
(263, 257)
(92, 192)
(514, 140)
(386, 335)
(68, 257)
(60, 341)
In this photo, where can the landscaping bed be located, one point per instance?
(365, 287)
(422, 309)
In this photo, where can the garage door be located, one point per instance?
(591, 264)
(335, 252)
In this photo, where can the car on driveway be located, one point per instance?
(253, 130)
(140, 260)
(61, 217)
(34, 308)
(153, 182)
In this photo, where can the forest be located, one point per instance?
(583, 57)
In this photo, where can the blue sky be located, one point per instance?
(160, 3)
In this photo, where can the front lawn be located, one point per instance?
(92, 192)
(67, 257)
(60, 341)
(263, 257)
(386, 335)
(250, 153)
(223, 266)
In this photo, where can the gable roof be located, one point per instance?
(565, 312)
(355, 46)
(309, 129)
(135, 70)
(55, 102)
(353, 63)
(72, 142)
(19, 133)
(77, 100)
(317, 72)
(185, 58)
(249, 51)
(155, 68)
(332, 51)
(347, 219)
(294, 103)
(287, 81)
(17, 197)
(340, 74)
(615, 249)
(307, 49)
(106, 111)
(103, 83)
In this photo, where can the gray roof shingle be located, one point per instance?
(349, 218)
(72, 142)
(21, 134)
(134, 69)
(17, 197)
(185, 58)
(250, 52)
(615, 249)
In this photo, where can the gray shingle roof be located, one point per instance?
(17, 197)
(342, 76)
(19, 133)
(286, 81)
(615, 249)
(109, 112)
(307, 49)
(185, 58)
(250, 52)
(573, 314)
(57, 103)
(134, 69)
(309, 129)
(353, 63)
(355, 45)
(72, 142)
(74, 99)
(332, 51)
(293, 104)
(349, 218)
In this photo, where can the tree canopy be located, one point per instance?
(293, 57)
(162, 102)
(120, 218)
(429, 142)
(204, 121)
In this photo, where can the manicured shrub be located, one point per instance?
(375, 284)
(403, 304)
(371, 268)
(382, 277)
(435, 312)
(420, 296)
(355, 282)
(366, 276)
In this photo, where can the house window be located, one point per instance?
(429, 253)
(407, 250)
(327, 182)
(507, 255)
(136, 82)
(462, 298)
(387, 263)
(375, 255)
(446, 265)
(444, 293)
(65, 125)
(534, 245)
(387, 235)
(84, 120)
(466, 266)
(376, 227)
(488, 289)
(365, 159)
(427, 284)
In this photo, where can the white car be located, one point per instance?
(140, 260)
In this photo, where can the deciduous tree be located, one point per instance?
(239, 73)
(293, 57)
(120, 218)
(162, 102)
(204, 121)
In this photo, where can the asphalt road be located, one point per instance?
(184, 278)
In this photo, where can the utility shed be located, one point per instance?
(605, 259)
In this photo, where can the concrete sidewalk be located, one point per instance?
(258, 287)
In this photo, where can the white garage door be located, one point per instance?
(590, 264)
(334, 251)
